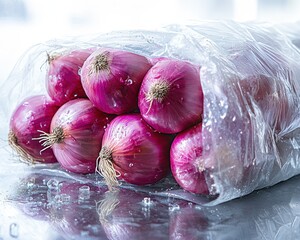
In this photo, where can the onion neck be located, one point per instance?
(158, 91)
(106, 168)
(51, 58)
(100, 63)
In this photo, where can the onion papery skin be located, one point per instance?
(63, 80)
(138, 153)
(31, 115)
(187, 165)
(83, 127)
(179, 102)
(112, 78)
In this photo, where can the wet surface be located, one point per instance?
(38, 202)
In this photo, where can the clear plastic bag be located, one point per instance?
(250, 75)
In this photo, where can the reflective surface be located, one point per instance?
(46, 203)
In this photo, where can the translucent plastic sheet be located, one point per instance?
(250, 78)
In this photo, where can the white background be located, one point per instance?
(27, 22)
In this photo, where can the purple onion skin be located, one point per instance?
(83, 126)
(32, 114)
(182, 106)
(139, 153)
(186, 163)
(63, 82)
(114, 90)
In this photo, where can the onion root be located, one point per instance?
(24, 156)
(48, 139)
(158, 91)
(106, 168)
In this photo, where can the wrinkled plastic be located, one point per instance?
(250, 75)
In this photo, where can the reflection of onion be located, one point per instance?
(187, 223)
(61, 203)
(125, 215)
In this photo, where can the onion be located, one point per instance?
(271, 96)
(196, 173)
(76, 135)
(170, 97)
(63, 82)
(187, 164)
(133, 151)
(31, 115)
(112, 78)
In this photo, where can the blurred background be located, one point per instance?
(27, 22)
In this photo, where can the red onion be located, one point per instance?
(133, 151)
(31, 115)
(76, 135)
(271, 96)
(187, 164)
(170, 97)
(63, 81)
(196, 172)
(112, 78)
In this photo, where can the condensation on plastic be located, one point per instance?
(250, 74)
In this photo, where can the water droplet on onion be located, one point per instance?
(128, 81)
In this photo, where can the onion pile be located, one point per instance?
(116, 113)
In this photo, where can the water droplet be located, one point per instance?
(174, 207)
(65, 198)
(84, 192)
(130, 164)
(84, 233)
(147, 201)
(44, 181)
(42, 125)
(31, 183)
(177, 85)
(79, 71)
(181, 99)
(53, 184)
(128, 81)
(234, 118)
(14, 230)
